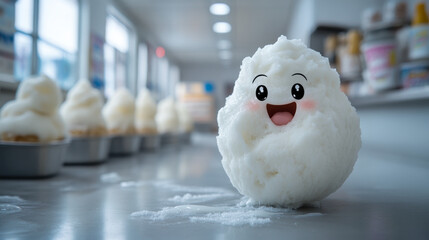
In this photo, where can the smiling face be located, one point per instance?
(280, 114)
(282, 84)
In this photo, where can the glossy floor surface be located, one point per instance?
(183, 193)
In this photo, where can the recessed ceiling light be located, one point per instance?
(225, 55)
(221, 27)
(224, 44)
(219, 9)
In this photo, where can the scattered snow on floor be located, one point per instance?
(198, 198)
(232, 211)
(232, 216)
(188, 189)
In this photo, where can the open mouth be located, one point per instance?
(281, 114)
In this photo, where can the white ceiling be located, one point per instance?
(184, 27)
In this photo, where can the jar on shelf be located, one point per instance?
(379, 49)
(351, 66)
(330, 46)
(419, 34)
(395, 13)
(415, 74)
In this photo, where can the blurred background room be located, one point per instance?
(141, 83)
(192, 51)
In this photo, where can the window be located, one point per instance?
(163, 77)
(142, 67)
(152, 82)
(174, 79)
(116, 54)
(23, 41)
(49, 44)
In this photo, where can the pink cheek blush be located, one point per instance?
(308, 105)
(253, 105)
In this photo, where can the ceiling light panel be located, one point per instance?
(219, 9)
(221, 27)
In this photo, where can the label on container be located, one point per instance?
(416, 75)
(350, 66)
(381, 60)
(419, 42)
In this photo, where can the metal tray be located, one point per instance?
(150, 142)
(168, 139)
(185, 138)
(31, 160)
(125, 145)
(88, 150)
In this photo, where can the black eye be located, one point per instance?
(261, 92)
(297, 91)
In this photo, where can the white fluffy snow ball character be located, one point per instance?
(287, 134)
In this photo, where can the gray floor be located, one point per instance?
(386, 197)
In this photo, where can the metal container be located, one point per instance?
(185, 138)
(168, 139)
(88, 150)
(125, 145)
(150, 142)
(30, 160)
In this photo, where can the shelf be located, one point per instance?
(385, 26)
(394, 96)
(350, 79)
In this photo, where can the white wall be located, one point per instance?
(308, 14)
(344, 13)
(302, 21)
